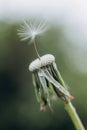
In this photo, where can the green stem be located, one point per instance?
(74, 116)
(70, 108)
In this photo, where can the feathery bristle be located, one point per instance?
(31, 30)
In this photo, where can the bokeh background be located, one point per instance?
(66, 40)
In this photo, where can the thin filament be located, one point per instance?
(36, 49)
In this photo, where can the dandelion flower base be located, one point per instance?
(46, 81)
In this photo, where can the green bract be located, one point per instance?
(47, 81)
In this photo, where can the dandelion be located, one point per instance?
(47, 80)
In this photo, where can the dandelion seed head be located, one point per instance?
(46, 80)
(32, 30)
(43, 61)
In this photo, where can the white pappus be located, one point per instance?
(30, 30)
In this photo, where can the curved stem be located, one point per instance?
(74, 116)
(70, 108)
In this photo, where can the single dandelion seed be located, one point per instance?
(29, 31)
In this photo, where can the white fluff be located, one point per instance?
(31, 30)
(43, 61)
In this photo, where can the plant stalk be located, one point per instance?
(74, 116)
(70, 108)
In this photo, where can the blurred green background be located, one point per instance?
(19, 109)
(66, 40)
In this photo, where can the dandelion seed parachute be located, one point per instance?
(30, 30)
(47, 82)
